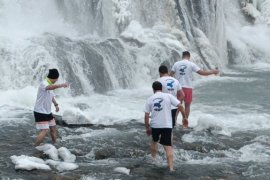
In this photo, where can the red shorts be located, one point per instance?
(188, 95)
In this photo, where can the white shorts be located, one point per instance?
(45, 124)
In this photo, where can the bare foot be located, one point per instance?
(184, 123)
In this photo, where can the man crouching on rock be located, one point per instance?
(160, 127)
(42, 110)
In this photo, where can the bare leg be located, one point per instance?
(169, 154)
(187, 109)
(153, 149)
(53, 133)
(41, 136)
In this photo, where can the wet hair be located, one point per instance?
(163, 69)
(185, 54)
(53, 74)
(157, 86)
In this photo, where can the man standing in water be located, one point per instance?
(42, 110)
(182, 70)
(172, 86)
(160, 127)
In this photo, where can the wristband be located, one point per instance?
(56, 105)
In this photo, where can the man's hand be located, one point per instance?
(64, 85)
(148, 131)
(215, 71)
(56, 108)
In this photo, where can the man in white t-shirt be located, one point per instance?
(160, 126)
(172, 86)
(182, 70)
(42, 110)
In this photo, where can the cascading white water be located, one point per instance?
(247, 31)
(40, 40)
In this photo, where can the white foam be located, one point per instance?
(29, 163)
(122, 170)
(19, 15)
(210, 122)
(62, 166)
(89, 178)
(213, 79)
(190, 138)
(93, 133)
(121, 12)
(49, 150)
(66, 155)
(235, 119)
(116, 107)
(66, 166)
(255, 152)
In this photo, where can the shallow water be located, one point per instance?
(239, 100)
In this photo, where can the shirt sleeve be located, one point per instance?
(42, 86)
(147, 107)
(174, 100)
(195, 68)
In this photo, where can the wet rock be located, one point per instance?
(104, 154)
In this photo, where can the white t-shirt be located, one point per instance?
(170, 85)
(44, 99)
(183, 72)
(159, 105)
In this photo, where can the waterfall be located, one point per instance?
(102, 45)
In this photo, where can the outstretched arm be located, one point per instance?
(55, 104)
(147, 124)
(207, 73)
(56, 86)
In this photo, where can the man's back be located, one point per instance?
(170, 85)
(183, 72)
(159, 105)
(44, 99)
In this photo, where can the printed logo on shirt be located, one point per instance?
(170, 83)
(182, 69)
(157, 104)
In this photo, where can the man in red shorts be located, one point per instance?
(42, 110)
(182, 70)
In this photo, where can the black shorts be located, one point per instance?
(173, 117)
(164, 135)
(39, 117)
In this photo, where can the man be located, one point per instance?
(160, 127)
(172, 86)
(42, 110)
(182, 70)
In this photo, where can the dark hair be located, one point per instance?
(157, 86)
(163, 69)
(53, 74)
(185, 54)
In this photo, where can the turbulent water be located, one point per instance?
(229, 139)
(109, 52)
